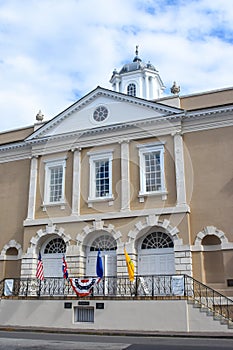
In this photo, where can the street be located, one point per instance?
(11, 340)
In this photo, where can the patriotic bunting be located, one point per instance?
(82, 287)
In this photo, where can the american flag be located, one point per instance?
(64, 268)
(40, 269)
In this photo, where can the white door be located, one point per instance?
(52, 264)
(156, 262)
(109, 260)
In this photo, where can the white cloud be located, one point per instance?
(52, 52)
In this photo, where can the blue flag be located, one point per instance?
(99, 266)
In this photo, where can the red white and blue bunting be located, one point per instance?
(83, 287)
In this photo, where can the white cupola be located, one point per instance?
(138, 79)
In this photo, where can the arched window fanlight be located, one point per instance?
(157, 240)
(103, 243)
(131, 89)
(56, 245)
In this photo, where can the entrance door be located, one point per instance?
(109, 260)
(156, 254)
(52, 254)
(156, 262)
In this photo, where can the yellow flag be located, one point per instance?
(130, 266)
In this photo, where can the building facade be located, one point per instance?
(123, 168)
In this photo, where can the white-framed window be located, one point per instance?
(100, 176)
(54, 190)
(152, 175)
(131, 89)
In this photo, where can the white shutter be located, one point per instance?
(91, 266)
(156, 263)
(52, 265)
(109, 264)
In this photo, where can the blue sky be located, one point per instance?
(52, 51)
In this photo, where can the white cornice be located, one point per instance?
(146, 124)
(13, 152)
(110, 216)
(167, 110)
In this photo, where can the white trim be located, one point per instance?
(93, 158)
(76, 182)
(125, 177)
(32, 188)
(179, 167)
(48, 165)
(145, 149)
(110, 215)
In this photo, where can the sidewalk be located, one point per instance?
(119, 332)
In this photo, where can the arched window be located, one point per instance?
(156, 240)
(107, 245)
(131, 89)
(12, 251)
(210, 240)
(156, 254)
(103, 243)
(56, 245)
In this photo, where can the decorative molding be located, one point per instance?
(153, 220)
(98, 225)
(111, 215)
(211, 230)
(11, 244)
(49, 229)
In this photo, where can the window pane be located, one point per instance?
(152, 171)
(102, 178)
(56, 180)
(131, 90)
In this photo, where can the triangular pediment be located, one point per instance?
(120, 109)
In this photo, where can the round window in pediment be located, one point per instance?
(100, 114)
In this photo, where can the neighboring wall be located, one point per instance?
(211, 190)
(14, 184)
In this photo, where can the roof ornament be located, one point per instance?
(175, 89)
(39, 116)
(136, 58)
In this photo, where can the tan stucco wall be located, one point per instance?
(211, 182)
(14, 178)
(15, 135)
(208, 99)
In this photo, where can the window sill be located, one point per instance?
(162, 194)
(62, 205)
(90, 201)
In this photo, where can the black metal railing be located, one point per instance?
(209, 299)
(152, 286)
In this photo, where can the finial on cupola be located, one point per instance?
(136, 58)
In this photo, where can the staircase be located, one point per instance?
(209, 301)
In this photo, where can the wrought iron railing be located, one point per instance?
(209, 300)
(152, 286)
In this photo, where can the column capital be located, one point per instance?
(76, 149)
(124, 141)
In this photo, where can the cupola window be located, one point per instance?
(131, 90)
